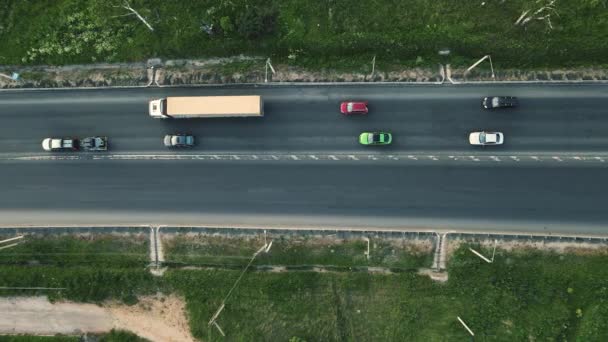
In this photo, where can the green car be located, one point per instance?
(375, 138)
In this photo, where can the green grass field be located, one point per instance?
(91, 268)
(521, 296)
(339, 34)
(65, 250)
(525, 295)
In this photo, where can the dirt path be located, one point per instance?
(36, 315)
(157, 318)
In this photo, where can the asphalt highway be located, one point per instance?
(324, 195)
(421, 118)
(541, 197)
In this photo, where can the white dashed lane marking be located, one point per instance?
(353, 158)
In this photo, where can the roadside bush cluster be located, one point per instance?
(79, 33)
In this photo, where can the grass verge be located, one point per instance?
(316, 34)
(296, 251)
(522, 295)
(91, 267)
(112, 336)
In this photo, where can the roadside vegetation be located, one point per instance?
(318, 34)
(526, 295)
(522, 295)
(91, 268)
(296, 252)
(27, 338)
(112, 336)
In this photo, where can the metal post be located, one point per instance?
(219, 329)
(217, 313)
(268, 247)
(373, 66)
(268, 65)
(481, 256)
(488, 57)
(448, 74)
(9, 246)
(12, 239)
(465, 326)
(442, 73)
(477, 63)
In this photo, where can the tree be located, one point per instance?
(255, 22)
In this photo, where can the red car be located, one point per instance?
(349, 107)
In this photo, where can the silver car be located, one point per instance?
(179, 140)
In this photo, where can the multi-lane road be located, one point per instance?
(301, 164)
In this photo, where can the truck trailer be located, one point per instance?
(184, 107)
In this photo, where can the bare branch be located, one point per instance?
(122, 15)
(521, 17)
(543, 13)
(128, 7)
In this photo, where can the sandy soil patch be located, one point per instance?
(36, 315)
(157, 318)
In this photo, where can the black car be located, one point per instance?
(179, 140)
(492, 102)
(94, 144)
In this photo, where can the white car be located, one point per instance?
(486, 138)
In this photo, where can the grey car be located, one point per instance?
(179, 140)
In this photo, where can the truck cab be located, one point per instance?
(157, 108)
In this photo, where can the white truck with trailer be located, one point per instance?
(184, 107)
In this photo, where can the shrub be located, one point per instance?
(226, 25)
(80, 33)
(256, 22)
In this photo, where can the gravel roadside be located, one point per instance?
(246, 69)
